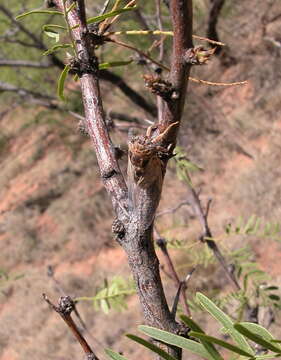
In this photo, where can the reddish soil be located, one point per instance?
(54, 210)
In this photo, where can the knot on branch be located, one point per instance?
(159, 86)
(93, 37)
(148, 156)
(198, 55)
(84, 65)
(118, 229)
(66, 305)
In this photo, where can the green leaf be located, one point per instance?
(271, 356)
(250, 225)
(113, 355)
(109, 14)
(47, 27)
(56, 48)
(258, 329)
(225, 320)
(271, 288)
(222, 343)
(151, 347)
(53, 34)
(61, 82)
(105, 306)
(256, 338)
(207, 345)
(48, 12)
(176, 340)
(107, 65)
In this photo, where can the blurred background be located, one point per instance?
(55, 216)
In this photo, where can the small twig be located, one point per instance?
(172, 210)
(160, 32)
(51, 275)
(160, 103)
(207, 235)
(208, 208)
(162, 66)
(64, 309)
(161, 242)
(181, 289)
(140, 52)
(108, 22)
(214, 14)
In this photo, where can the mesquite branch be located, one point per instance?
(136, 206)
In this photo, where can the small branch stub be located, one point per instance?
(198, 55)
(159, 86)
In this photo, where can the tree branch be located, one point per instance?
(148, 156)
(105, 75)
(23, 91)
(94, 114)
(181, 13)
(24, 63)
(207, 235)
(161, 242)
(216, 7)
(65, 307)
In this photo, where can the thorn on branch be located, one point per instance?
(198, 55)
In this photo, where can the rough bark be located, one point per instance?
(135, 207)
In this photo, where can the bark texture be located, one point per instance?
(136, 205)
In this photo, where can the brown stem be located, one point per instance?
(94, 114)
(64, 309)
(216, 7)
(207, 235)
(161, 242)
(181, 13)
(147, 158)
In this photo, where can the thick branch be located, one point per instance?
(94, 114)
